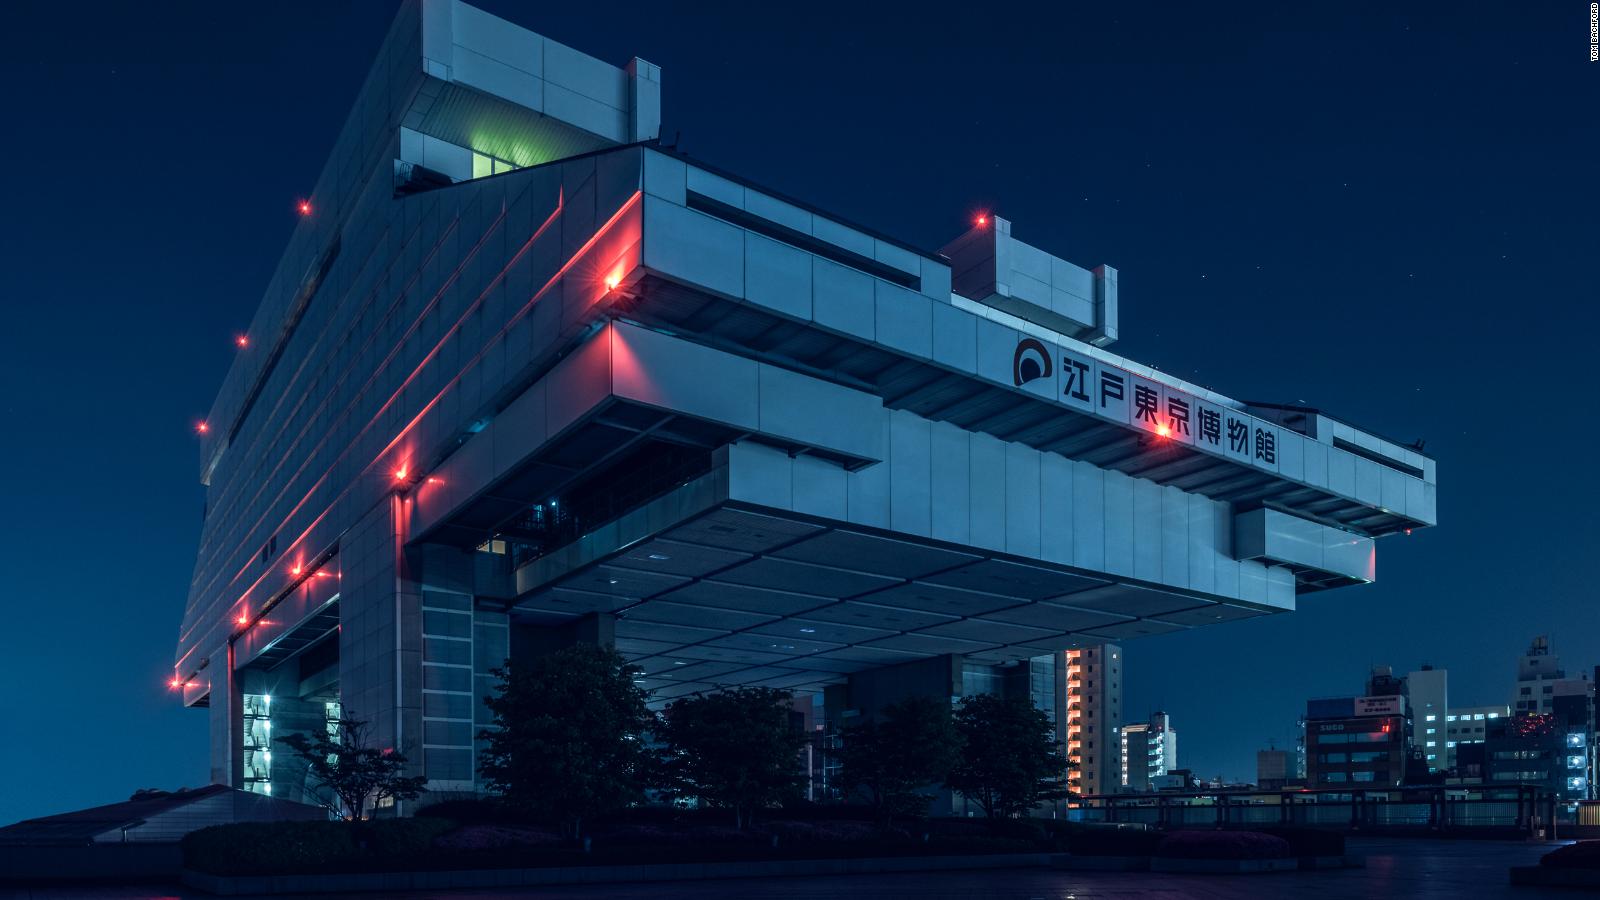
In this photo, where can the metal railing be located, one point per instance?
(1512, 809)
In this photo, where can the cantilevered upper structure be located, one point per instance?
(524, 378)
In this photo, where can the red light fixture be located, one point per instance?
(175, 683)
(242, 340)
(201, 428)
(611, 282)
(400, 473)
(295, 570)
(244, 619)
(981, 220)
(304, 206)
(1164, 430)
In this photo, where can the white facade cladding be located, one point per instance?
(523, 377)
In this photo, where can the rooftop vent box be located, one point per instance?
(989, 266)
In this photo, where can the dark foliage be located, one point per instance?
(358, 775)
(733, 750)
(895, 759)
(1009, 761)
(569, 737)
(1222, 845)
(1582, 855)
(1113, 842)
(1308, 841)
(267, 848)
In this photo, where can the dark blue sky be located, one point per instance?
(1390, 215)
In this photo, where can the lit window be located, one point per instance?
(482, 166)
(1478, 717)
(1449, 743)
(1431, 717)
(1432, 730)
(1433, 743)
(1449, 718)
(1494, 715)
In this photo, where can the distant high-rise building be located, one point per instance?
(1429, 690)
(1468, 725)
(1274, 768)
(1148, 749)
(1537, 674)
(1090, 710)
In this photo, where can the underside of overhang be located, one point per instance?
(737, 595)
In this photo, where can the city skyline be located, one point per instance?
(174, 334)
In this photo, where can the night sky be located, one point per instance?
(1388, 215)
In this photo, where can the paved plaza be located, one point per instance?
(1395, 868)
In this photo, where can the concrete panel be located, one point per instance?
(1055, 514)
(950, 479)
(987, 476)
(910, 474)
(1022, 500)
(663, 371)
(778, 277)
(816, 412)
(904, 319)
(819, 488)
(842, 299)
(693, 247)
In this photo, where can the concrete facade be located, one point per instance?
(520, 369)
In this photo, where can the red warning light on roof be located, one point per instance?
(201, 428)
(241, 340)
(981, 220)
(1164, 430)
(304, 206)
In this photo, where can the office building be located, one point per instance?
(1149, 749)
(1429, 692)
(1537, 673)
(525, 378)
(1361, 742)
(1275, 769)
(1092, 716)
(1467, 726)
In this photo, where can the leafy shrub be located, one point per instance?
(252, 848)
(1222, 845)
(1018, 829)
(472, 811)
(472, 838)
(1308, 841)
(827, 832)
(401, 838)
(1582, 855)
(1113, 842)
(258, 847)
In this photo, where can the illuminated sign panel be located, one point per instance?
(1380, 706)
(1113, 394)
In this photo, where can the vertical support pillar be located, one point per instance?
(227, 720)
(380, 633)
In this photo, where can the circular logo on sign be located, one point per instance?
(1031, 362)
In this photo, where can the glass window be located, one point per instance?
(1449, 718)
(1431, 717)
(1364, 776)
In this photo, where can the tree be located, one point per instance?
(735, 749)
(893, 759)
(358, 775)
(568, 741)
(1009, 762)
